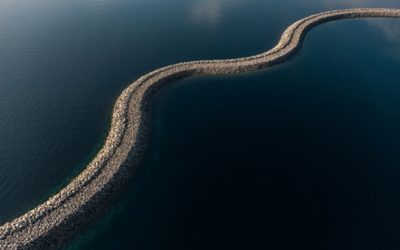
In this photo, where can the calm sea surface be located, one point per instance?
(305, 155)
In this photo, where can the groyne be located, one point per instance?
(52, 221)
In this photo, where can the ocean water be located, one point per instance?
(304, 155)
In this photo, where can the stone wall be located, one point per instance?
(72, 207)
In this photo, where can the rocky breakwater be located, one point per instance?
(63, 213)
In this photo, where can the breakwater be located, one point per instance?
(123, 147)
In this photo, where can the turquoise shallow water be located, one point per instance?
(301, 156)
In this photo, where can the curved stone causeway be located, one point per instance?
(65, 212)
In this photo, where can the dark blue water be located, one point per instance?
(301, 156)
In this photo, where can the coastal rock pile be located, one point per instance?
(63, 213)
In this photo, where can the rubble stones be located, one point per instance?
(63, 213)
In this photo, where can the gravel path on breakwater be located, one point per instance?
(63, 213)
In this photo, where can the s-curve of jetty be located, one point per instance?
(53, 221)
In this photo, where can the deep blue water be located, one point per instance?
(301, 156)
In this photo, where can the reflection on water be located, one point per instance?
(209, 12)
(390, 28)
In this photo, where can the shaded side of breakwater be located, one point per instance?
(64, 212)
